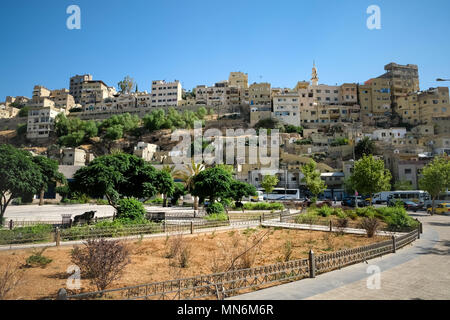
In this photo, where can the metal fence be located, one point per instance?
(226, 284)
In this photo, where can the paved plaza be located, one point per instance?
(417, 271)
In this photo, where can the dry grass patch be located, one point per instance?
(195, 255)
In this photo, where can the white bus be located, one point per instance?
(417, 196)
(282, 194)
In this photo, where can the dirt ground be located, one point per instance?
(209, 253)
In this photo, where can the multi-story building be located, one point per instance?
(387, 134)
(8, 112)
(286, 108)
(404, 79)
(41, 122)
(94, 91)
(348, 94)
(76, 83)
(422, 107)
(41, 102)
(75, 157)
(62, 99)
(238, 80)
(375, 98)
(166, 93)
(221, 94)
(145, 150)
(41, 92)
(259, 94)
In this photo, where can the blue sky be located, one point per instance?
(200, 42)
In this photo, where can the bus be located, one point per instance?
(282, 194)
(442, 198)
(417, 196)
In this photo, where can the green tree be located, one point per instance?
(165, 185)
(403, 185)
(114, 133)
(24, 112)
(50, 174)
(239, 190)
(21, 129)
(19, 175)
(116, 176)
(364, 147)
(436, 178)
(370, 176)
(268, 184)
(179, 191)
(212, 183)
(312, 178)
(127, 85)
(188, 176)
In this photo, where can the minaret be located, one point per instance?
(314, 76)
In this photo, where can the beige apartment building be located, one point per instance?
(221, 94)
(238, 80)
(41, 92)
(259, 94)
(286, 108)
(422, 107)
(76, 83)
(62, 99)
(348, 94)
(94, 91)
(404, 79)
(375, 97)
(166, 93)
(41, 121)
(75, 157)
(8, 112)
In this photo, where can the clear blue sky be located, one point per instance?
(200, 42)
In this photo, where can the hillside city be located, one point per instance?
(231, 191)
(332, 124)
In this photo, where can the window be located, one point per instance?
(408, 171)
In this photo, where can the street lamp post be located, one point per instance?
(440, 79)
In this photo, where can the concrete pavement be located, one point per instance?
(418, 271)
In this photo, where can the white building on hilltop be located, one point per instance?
(166, 93)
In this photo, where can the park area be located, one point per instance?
(43, 273)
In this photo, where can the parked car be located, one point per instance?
(351, 202)
(411, 206)
(442, 208)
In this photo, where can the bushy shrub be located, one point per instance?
(325, 211)
(371, 226)
(396, 218)
(217, 217)
(351, 214)
(101, 261)
(37, 259)
(215, 208)
(367, 212)
(155, 201)
(338, 211)
(308, 218)
(263, 206)
(130, 210)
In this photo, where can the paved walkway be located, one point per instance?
(418, 271)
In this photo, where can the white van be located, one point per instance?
(381, 197)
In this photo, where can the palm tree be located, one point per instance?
(188, 177)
